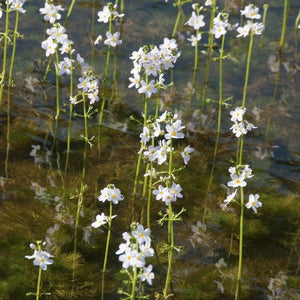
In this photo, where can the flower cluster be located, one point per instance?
(89, 84)
(238, 177)
(41, 257)
(134, 252)
(240, 125)
(240, 173)
(155, 129)
(152, 62)
(108, 14)
(111, 193)
(168, 195)
(251, 12)
(56, 36)
(220, 25)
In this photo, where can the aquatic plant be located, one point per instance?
(113, 196)
(42, 259)
(133, 255)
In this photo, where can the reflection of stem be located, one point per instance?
(272, 103)
(82, 186)
(138, 166)
(4, 53)
(219, 114)
(106, 250)
(70, 115)
(209, 54)
(295, 37)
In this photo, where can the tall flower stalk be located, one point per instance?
(107, 15)
(18, 8)
(240, 128)
(218, 30)
(112, 195)
(6, 40)
(208, 54)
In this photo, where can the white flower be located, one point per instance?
(251, 12)
(49, 45)
(64, 67)
(244, 31)
(98, 39)
(41, 259)
(173, 131)
(253, 202)
(185, 154)
(100, 220)
(230, 197)
(237, 180)
(147, 88)
(142, 235)
(147, 275)
(111, 193)
(195, 21)
(104, 15)
(193, 39)
(237, 114)
(51, 12)
(113, 39)
(145, 135)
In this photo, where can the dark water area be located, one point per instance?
(39, 200)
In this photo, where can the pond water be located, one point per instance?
(39, 195)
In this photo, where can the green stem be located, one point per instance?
(238, 284)
(106, 251)
(4, 53)
(283, 25)
(219, 112)
(38, 284)
(104, 89)
(57, 86)
(69, 12)
(209, 54)
(178, 4)
(196, 52)
(10, 84)
(247, 70)
(133, 284)
(170, 231)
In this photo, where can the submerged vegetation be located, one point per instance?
(119, 124)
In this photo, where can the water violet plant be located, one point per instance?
(42, 259)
